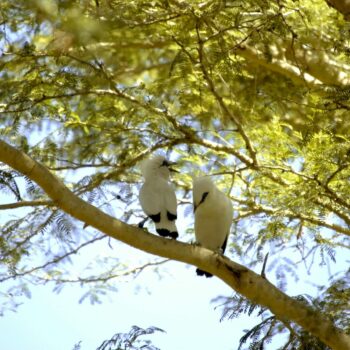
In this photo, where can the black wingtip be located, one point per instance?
(155, 217)
(224, 245)
(166, 233)
(203, 273)
(170, 216)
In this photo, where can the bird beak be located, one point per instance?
(173, 170)
(170, 167)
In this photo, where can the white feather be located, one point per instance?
(213, 216)
(157, 197)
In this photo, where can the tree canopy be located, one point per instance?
(255, 93)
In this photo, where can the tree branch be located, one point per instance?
(55, 260)
(299, 64)
(24, 204)
(342, 6)
(256, 208)
(275, 65)
(109, 275)
(241, 279)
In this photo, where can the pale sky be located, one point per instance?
(179, 303)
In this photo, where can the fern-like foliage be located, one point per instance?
(334, 302)
(8, 184)
(130, 340)
(236, 305)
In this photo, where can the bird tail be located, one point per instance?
(203, 273)
(166, 228)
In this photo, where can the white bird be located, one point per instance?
(157, 197)
(213, 217)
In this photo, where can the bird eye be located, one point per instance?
(165, 163)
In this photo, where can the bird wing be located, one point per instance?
(150, 199)
(170, 202)
(213, 219)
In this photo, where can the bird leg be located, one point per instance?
(142, 223)
(219, 251)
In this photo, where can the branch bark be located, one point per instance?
(238, 277)
(275, 65)
(24, 204)
(302, 66)
(342, 6)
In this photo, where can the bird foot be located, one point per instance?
(142, 223)
(173, 235)
(203, 273)
(220, 251)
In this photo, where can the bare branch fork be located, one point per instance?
(238, 277)
(55, 260)
(106, 277)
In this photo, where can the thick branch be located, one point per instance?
(302, 66)
(312, 60)
(241, 279)
(275, 65)
(342, 6)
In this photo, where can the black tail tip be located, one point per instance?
(174, 235)
(166, 233)
(203, 273)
